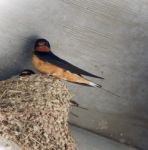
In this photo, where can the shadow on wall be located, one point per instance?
(20, 58)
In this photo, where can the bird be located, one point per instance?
(26, 72)
(46, 62)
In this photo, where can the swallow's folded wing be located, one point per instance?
(52, 58)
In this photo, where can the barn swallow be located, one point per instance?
(26, 72)
(45, 61)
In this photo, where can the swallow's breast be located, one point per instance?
(45, 67)
(51, 69)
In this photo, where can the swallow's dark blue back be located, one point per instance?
(53, 59)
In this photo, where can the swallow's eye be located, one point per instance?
(47, 44)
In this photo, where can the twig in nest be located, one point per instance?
(74, 114)
(75, 104)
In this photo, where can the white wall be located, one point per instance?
(108, 38)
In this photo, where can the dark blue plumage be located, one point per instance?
(53, 59)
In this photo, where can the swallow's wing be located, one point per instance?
(52, 58)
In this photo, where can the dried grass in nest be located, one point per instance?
(34, 113)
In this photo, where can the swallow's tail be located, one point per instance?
(94, 84)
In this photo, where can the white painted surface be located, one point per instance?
(88, 141)
(108, 38)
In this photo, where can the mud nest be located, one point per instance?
(34, 113)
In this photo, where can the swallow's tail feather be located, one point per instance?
(94, 84)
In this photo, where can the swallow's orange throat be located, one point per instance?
(42, 48)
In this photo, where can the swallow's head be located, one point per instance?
(42, 45)
(26, 72)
